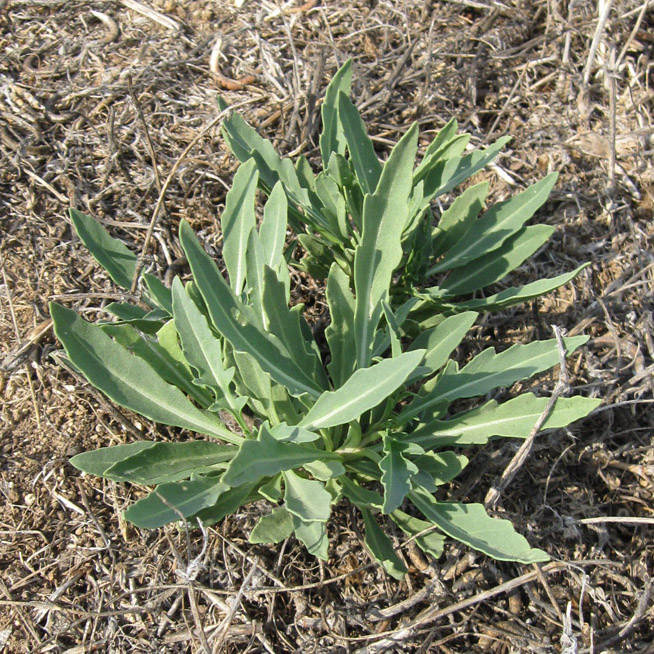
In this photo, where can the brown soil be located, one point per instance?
(98, 101)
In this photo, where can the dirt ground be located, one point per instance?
(99, 100)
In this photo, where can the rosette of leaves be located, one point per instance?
(465, 250)
(366, 420)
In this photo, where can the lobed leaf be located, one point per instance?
(273, 528)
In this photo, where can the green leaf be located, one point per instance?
(340, 333)
(470, 524)
(325, 470)
(228, 502)
(127, 379)
(159, 293)
(397, 471)
(459, 218)
(360, 496)
(365, 389)
(450, 150)
(494, 266)
(488, 371)
(500, 222)
(362, 153)
(437, 468)
(272, 490)
(202, 349)
(513, 419)
(306, 498)
(167, 367)
(378, 255)
(273, 228)
(98, 461)
(286, 325)
(332, 138)
(513, 295)
(174, 501)
(265, 457)
(109, 252)
(381, 547)
(440, 341)
(431, 542)
(445, 135)
(237, 221)
(313, 535)
(147, 322)
(238, 323)
(293, 434)
(167, 462)
(273, 528)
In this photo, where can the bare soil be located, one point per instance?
(98, 101)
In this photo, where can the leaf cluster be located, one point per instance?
(371, 417)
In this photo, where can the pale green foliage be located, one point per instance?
(367, 419)
(335, 215)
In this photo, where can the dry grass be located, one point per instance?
(98, 101)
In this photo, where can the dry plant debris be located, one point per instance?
(99, 101)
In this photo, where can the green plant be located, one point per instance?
(370, 419)
(327, 210)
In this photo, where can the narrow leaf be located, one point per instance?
(362, 153)
(167, 462)
(273, 227)
(332, 138)
(513, 419)
(127, 379)
(471, 525)
(340, 333)
(265, 457)
(174, 501)
(431, 542)
(237, 221)
(238, 323)
(396, 474)
(381, 547)
(365, 389)
(118, 260)
(98, 461)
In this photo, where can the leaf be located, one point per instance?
(459, 218)
(431, 542)
(174, 501)
(159, 293)
(228, 502)
(444, 136)
(273, 528)
(237, 221)
(167, 462)
(332, 138)
(513, 419)
(396, 474)
(306, 498)
(313, 535)
(492, 267)
(147, 322)
(202, 349)
(488, 371)
(127, 379)
(340, 333)
(438, 468)
(380, 251)
(511, 296)
(118, 260)
(365, 389)
(265, 457)
(293, 434)
(440, 341)
(500, 222)
(287, 326)
(362, 153)
(381, 547)
(450, 150)
(272, 490)
(237, 322)
(360, 496)
(273, 227)
(162, 362)
(325, 470)
(98, 461)
(471, 525)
